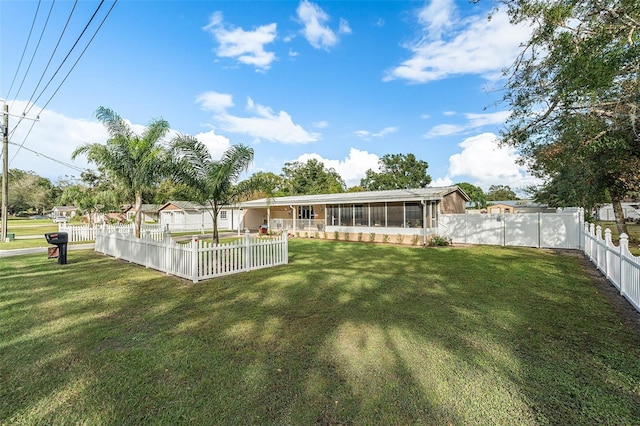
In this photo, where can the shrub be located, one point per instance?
(336, 234)
(316, 235)
(372, 237)
(385, 238)
(438, 241)
(399, 238)
(359, 236)
(346, 236)
(415, 239)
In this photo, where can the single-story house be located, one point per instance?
(63, 211)
(149, 212)
(518, 206)
(630, 211)
(402, 211)
(189, 216)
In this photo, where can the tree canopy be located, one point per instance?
(397, 171)
(500, 193)
(309, 178)
(211, 182)
(475, 193)
(575, 94)
(135, 162)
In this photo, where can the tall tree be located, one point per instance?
(93, 194)
(501, 193)
(311, 177)
(136, 162)
(28, 192)
(212, 182)
(397, 171)
(475, 193)
(580, 66)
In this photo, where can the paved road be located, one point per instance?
(18, 252)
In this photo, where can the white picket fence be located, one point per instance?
(542, 230)
(195, 260)
(620, 267)
(78, 233)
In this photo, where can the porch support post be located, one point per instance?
(269, 217)
(424, 222)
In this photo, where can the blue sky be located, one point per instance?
(344, 82)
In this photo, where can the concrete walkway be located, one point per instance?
(18, 252)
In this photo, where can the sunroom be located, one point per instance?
(404, 211)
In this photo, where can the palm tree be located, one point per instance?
(137, 162)
(212, 182)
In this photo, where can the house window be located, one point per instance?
(223, 214)
(378, 214)
(306, 212)
(346, 215)
(361, 215)
(413, 215)
(395, 215)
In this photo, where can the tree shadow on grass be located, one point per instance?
(347, 333)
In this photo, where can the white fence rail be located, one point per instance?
(543, 230)
(88, 233)
(195, 260)
(620, 267)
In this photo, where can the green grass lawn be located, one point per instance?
(347, 333)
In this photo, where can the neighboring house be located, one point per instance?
(188, 216)
(403, 211)
(518, 206)
(630, 211)
(149, 212)
(63, 212)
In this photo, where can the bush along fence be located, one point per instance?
(195, 260)
(620, 267)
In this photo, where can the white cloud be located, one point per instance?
(479, 120)
(214, 101)
(245, 46)
(436, 17)
(474, 121)
(316, 30)
(53, 135)
(444, 130)
(344, 27)
(448, 47)
(483, 162)
(320, 124)
(261, 123)
(217, 144)
(352, 168)
(367, 135)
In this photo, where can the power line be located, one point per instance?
(35, 51)
(55, 49)
(71, 166)
(25, 49)
(66, 76)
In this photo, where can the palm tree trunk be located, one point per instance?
(138, 210)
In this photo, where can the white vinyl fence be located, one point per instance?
(88, 233)
(620, 267)
(195, 260)
(542, 230)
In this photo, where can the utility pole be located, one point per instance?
(5, 171)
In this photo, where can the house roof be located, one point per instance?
(146, 208)
(418, 194)
(517, 203)
(184, 205)
(65, 208)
